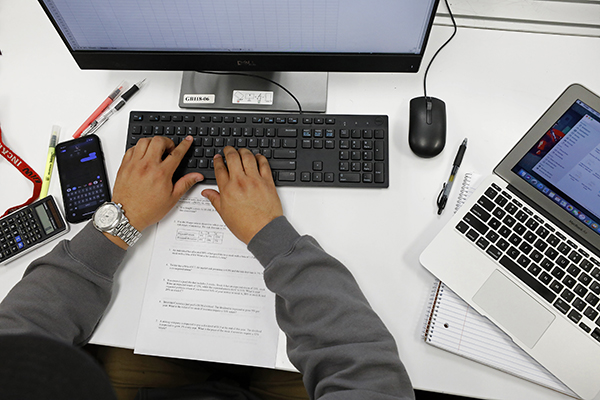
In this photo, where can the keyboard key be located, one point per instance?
(284, 154)
(462, 227)
(592, 299)
(521, 216)
(561, 306)
(494, 252)
(475, 223)
(567, 295)
(586, 265)
(569, 281)
(472, 235)
(590, 313)
(501, 200)
(595, 287)
(558, 273)
(282, 164)
(556, 286)
(492, 236)
(481, 213)
(503, 244)
(579, 304)
(482, 243)
(545, 278)
(486, 203)
(574, 316)
(491, 193)
(349, 177)
(287, 176)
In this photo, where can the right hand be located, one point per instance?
(247, 199)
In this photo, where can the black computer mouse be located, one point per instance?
(427, 126)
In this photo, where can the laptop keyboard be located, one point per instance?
(543, 258)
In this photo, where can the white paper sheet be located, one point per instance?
(205, 296)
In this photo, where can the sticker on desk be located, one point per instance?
(198, 98)
(196, 236)
(252, 97)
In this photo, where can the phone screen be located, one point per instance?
(82, 177)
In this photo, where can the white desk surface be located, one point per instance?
(495, 85)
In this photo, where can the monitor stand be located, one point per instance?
(233, 91)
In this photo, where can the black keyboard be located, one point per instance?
(302, 149)
(539, 254)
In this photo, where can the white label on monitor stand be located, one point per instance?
(252, 97)
(198, 98)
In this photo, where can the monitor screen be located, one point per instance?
(245, 35)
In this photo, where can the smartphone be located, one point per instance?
(82, 174)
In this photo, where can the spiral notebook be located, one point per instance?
(454, 326)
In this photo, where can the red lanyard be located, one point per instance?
(25, 169)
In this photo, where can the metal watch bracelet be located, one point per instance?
(127, 232)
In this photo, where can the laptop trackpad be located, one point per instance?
(519, 313)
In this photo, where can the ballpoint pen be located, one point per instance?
(443, 197)
(94, 126)
(50, 161)
(111, 97)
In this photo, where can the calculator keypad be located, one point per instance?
(29, 227)
(19, 231)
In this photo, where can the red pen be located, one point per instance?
(111, 97)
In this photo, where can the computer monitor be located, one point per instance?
(289, 41)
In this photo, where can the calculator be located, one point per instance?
(29, 227)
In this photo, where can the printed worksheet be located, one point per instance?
(205, 297)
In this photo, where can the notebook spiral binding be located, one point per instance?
(437, 290)
(465, 191)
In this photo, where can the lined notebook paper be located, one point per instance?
(454, 326)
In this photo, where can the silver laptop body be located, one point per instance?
(524, 250)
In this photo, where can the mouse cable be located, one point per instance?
(259, 77)
(440, 49)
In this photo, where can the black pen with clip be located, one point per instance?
(443, 197)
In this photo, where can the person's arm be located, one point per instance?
(335, 339)
(64, 294)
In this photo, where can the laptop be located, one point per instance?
(524, 250)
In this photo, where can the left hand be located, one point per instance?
(144, 185)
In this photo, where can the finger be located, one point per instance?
(139, 150)
(234, 162)
(214, 197)
(177, 154)
(185, 183)
(264, 167)
(128, 155)
(221, 172)
(158, 146)
(248, 161)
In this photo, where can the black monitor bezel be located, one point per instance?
(227, 61)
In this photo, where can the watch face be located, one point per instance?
(106, 216)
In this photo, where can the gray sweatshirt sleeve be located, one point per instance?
(334, 337)
(64, 293)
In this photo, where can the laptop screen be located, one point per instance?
(564, 164)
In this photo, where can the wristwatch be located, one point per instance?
(110, 218)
